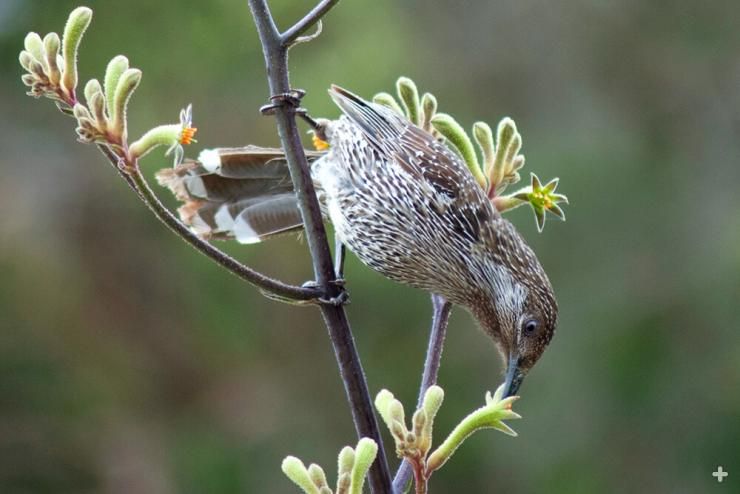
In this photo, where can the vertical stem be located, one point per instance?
(441, 310)
(350, 367)
(420, 480)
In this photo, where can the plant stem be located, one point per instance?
(441, 310)
(420, 480)
(138, 183)
(300, 27)
(275, 48)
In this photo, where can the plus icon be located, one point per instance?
(720, 474)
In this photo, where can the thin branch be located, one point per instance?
(138, 183)
(114, 159)
(441, 310)
(275, 48)
(291, 35)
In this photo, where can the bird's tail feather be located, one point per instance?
(236, 193)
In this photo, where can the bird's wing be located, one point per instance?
(242, 193)
(451, 187)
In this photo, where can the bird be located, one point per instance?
(403, 202)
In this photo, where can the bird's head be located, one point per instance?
(517, 308)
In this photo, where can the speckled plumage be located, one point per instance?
(409, 208)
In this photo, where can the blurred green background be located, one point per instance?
(131, 364)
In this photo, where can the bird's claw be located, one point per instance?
(290, 99)
(341, 298)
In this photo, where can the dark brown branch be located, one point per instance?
(313, 17)
(441, 310)
(275, 48)
(137, 182)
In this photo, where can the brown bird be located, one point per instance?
(403, 202)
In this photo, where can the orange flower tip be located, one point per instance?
(186, 136)
(319, 144)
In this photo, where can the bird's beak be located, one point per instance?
(514, 377)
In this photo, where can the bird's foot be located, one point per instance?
(291, 99)
(340, 298)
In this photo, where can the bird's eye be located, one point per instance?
(530, 326)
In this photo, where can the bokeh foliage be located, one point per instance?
(130, 364)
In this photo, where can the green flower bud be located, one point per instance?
(127, 84)
(365, 453)
(80, 111)
(51, 49)
(398, 429)
(37, 69)
(409, 96)
(383, 401)
(508, 144)
(35, 46)
(389, 101)
(25, 59)
(97, 108)
(113, 72)
(75, 28)
(428, 108)
(296, 471)
(317, 475)
(163, 135)
(455, 134)
(484, 137)
(28, 79)
(345, 460)
(395, 409)
(418, 421)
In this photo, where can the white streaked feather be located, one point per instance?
(224, 220)
(244, 233)
(210, 159)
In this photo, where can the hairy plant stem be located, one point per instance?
(420, 479)
(275, 49)
(300, 27)
(133, 177)
(441, 310)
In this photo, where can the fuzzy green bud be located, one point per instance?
(51, 49)
(506, 133)
(35, 46)
(456, 135)
(484, 138)
(296, 471)
(113, 72)
(409, 96)
(127, 84)
(365, 453)
(317, 475)
(398, 429)
(396, 412)
(163, 135)
(345, 460)
(383, 401)
(75, 28)
(389, 101)
(418, 420)
(26, 60)
(96, 102)
(428, 109)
